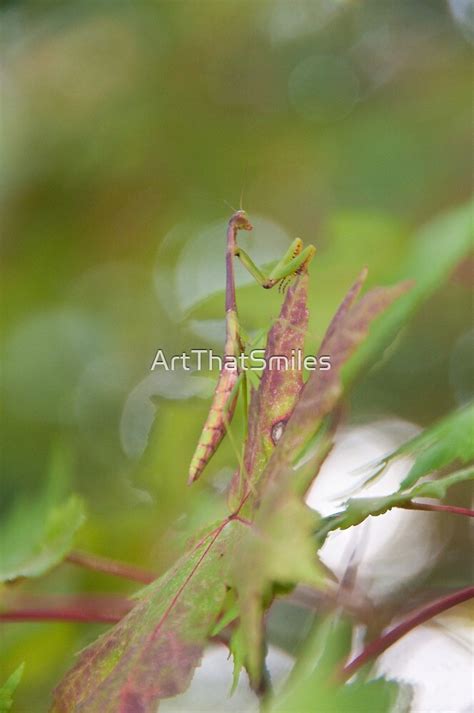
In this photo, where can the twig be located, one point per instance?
(110, 566)
(453, 509)
(83, 608)
(377, 647)
(354, 603)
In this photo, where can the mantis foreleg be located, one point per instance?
(292, 263)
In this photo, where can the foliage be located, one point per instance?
(9, 688)
(151, 653)
(268, 416)
(452, 439)
(313, 677)
(229, 575)
(126, 126)
(437, 248)
(36, 534)
(119, 148)
(358, 509)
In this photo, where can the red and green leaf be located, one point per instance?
(152, 652)
(279, 548)
(272, 404)
(324, 389)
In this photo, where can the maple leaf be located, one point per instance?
(313, 678)
(449, 440)
(356, 510)
(8, 689)
(277, 549)
(452, 439)
(272, 404)
(152, 652)
(435, 250)
(323, 390)
(280, 547)
(37, 533)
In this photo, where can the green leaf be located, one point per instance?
(237, 649)
(9, 688)
(362, 697)
(436, 250)
(449, 440)
(438, 488)
(313, 677)
(327, 644)
(230, 612)
(278, 549)
(152, 652)
(38, 532)
(358, 509)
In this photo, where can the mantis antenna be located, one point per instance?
(229, 205)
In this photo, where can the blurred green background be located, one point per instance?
(127, 126)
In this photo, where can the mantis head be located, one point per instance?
(240, 221)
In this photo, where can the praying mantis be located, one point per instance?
(294, 262)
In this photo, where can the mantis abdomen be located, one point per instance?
(214, 429)
(223, 402)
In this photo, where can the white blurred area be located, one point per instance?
(436, 659)
(390, 550)
(210, 688)
(436, 662)
(382, 548)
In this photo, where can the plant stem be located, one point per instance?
(354, 603)
(110, 566)
(83, 608)
(453, 509)
(68, 614)
(425, 613)
(243, 520)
